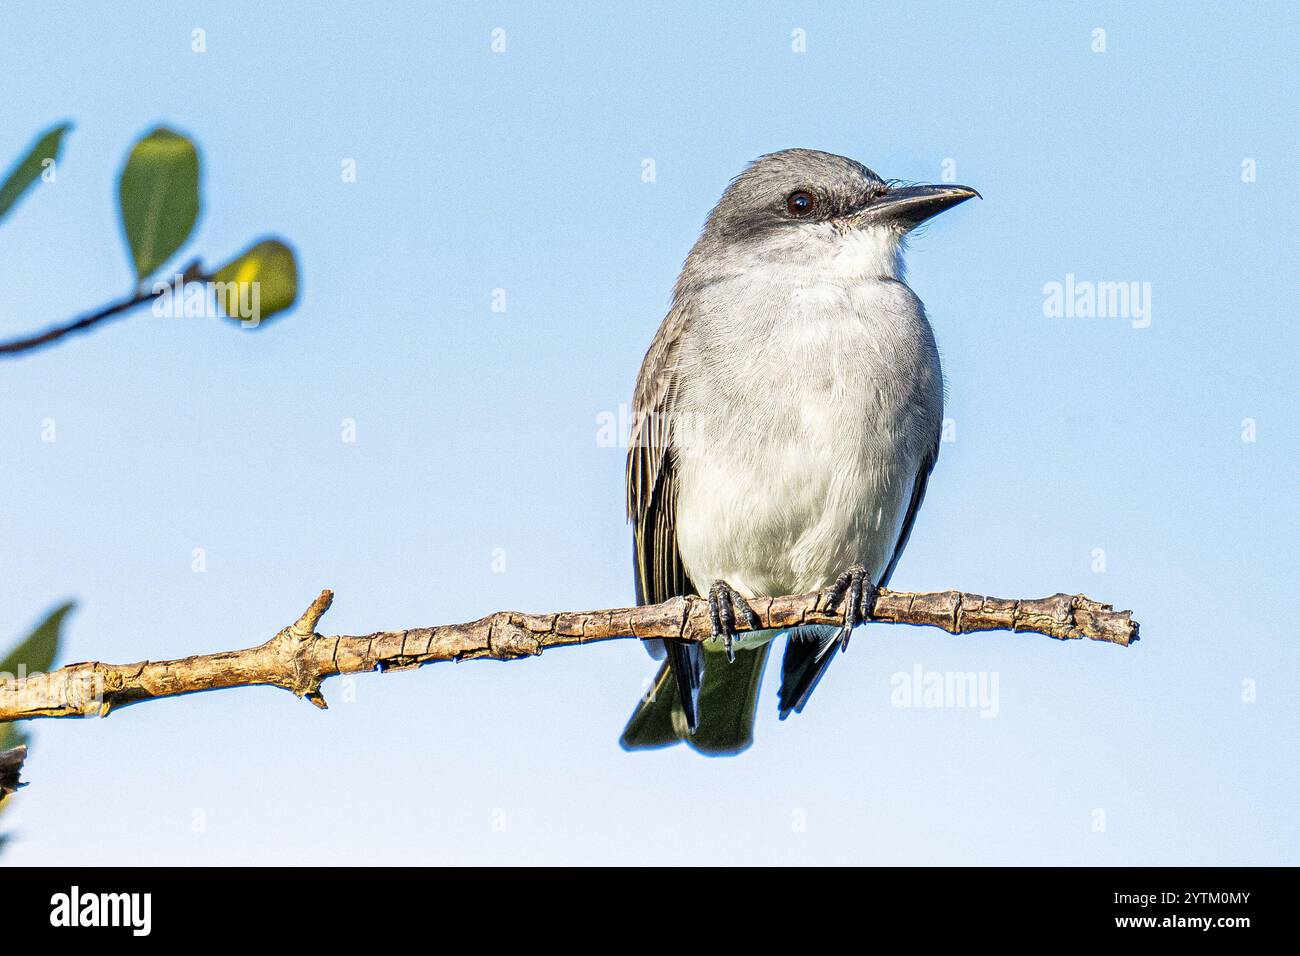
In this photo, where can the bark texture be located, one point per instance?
(298, 659)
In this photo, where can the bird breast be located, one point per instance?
(806, 407)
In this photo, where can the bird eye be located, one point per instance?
(799, 203)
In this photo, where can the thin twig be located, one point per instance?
(192, 273)
(298, 659)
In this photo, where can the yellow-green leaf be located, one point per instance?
(28, 169)
(259, 282)
(159, 198)
(34, 654)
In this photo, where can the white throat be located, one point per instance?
(873, 252)
(833, 252)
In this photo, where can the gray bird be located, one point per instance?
(785, 421)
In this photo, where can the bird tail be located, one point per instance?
(808, 653)
(728, 701)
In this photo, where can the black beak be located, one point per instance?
(909, 206)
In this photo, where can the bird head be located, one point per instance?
(805, 208)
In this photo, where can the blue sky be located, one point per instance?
(477, 430)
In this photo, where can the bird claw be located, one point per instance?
(724, 604)
(861, 592)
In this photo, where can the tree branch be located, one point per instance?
(298, 659)
(193, 273)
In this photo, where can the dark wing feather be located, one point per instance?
(918, 496)
(808, 651)
(652, 500)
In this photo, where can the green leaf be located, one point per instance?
(159, 196)
(35, 654)
(259, 282)
(38, 650)
(29, 168)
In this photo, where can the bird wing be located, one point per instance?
(652, 498)
(918, 496)
(651, 470)
(810, 650)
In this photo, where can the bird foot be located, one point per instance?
(724, 605)
(861, 592)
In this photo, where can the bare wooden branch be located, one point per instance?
(299, 659)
